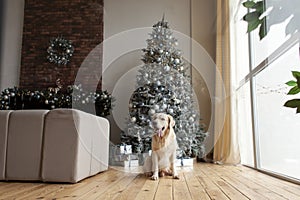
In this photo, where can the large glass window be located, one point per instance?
(278, 126)
(269, 133)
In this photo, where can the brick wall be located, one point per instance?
(80, 21)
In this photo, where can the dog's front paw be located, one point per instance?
(154, 176)
(175, 176)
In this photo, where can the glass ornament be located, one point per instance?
(133, 119)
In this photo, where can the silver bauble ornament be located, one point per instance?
(170, 78)
(158, 83)
(167, 68)
(46, 102)
(5, 97)
(170, 110)
(156, 107)
(191, 119)
(164, 106)
(151, 112)
(177, 61)
(177, 101)
(133, 119)
(152, 101)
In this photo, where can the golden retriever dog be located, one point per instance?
(164, 145)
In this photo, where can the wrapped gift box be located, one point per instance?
(128, 163)
(124, 149)
(125, 157)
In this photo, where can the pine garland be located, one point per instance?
(51, 98)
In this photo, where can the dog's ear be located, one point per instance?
(171, 121)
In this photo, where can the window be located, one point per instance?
(269, 133)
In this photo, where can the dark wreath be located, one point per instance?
(60, 51)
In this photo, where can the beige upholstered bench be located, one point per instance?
(24, 144)
(61, 145)
(4, 117)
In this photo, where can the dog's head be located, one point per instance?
(161, 122)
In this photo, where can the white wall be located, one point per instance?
(11, 43)
(122, 20)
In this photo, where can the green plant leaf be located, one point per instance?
(294, 90)
(298, 110)
(263, 29)
(296, 74)
(252, 16)
(294, 103)
(249, 4)
(291, 83)
(259, 6)
(253, 25)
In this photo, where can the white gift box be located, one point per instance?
(128, 163)
(125, 157)
(121, 157)
(124, 149)
(131, 163)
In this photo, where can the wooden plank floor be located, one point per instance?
(203, 181)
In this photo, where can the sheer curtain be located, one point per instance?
(226, 149)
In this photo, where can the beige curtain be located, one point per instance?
(226, 150)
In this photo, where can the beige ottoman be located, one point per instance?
(4, 117)
(24, 144)
(76, 145)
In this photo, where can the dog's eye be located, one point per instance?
(162, 119)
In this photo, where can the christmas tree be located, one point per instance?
(164, 86)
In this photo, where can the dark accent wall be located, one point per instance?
(80, 21)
